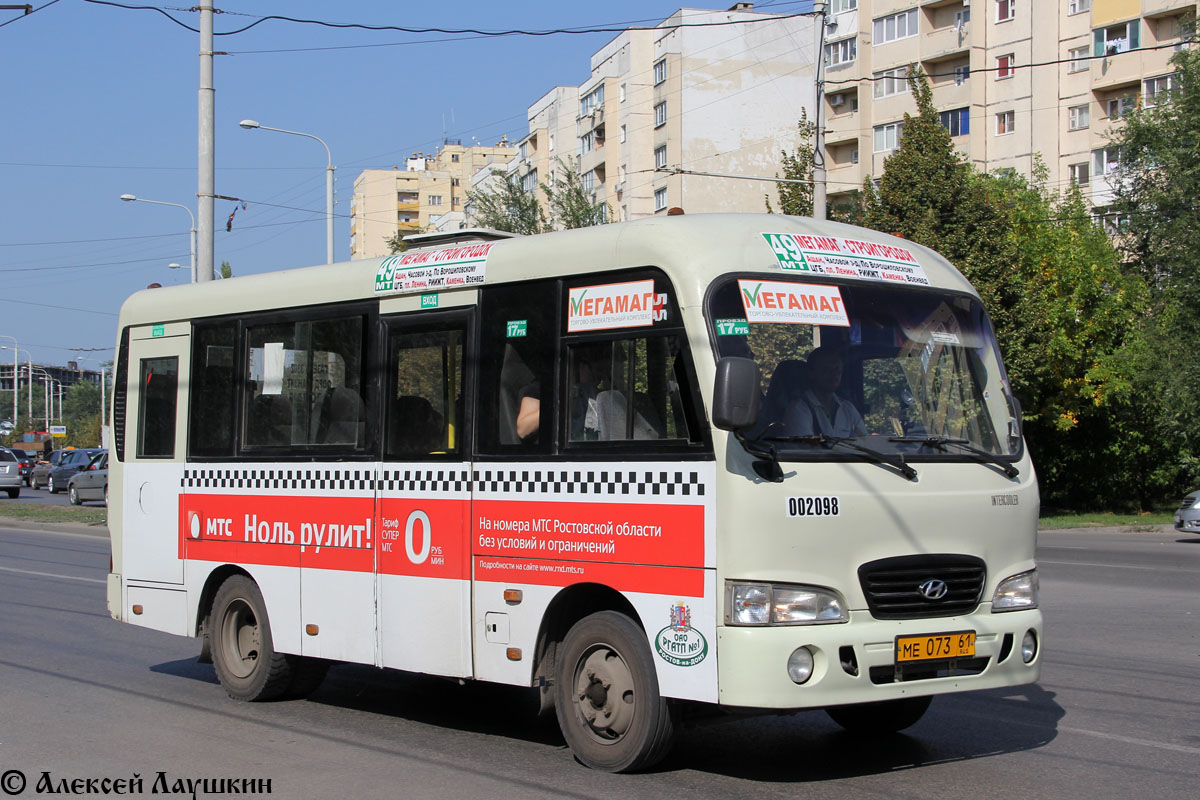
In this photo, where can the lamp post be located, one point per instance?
(29, 366)
(250, 125)
(129, 198)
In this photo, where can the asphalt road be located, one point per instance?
(1116, 715)
(42, 497)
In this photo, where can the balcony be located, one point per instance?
(413, 206)
(945, 43)
(590, 121)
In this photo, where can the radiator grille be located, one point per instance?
(893, 585)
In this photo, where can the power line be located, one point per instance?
(28, 13)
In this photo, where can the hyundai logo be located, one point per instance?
(933, 589)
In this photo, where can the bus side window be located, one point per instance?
(211, 401)
(517, 351)
(425, 392)
(156, 412)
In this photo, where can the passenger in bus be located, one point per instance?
(820, 409)
(519, 400)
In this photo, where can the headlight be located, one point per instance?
(782, 604)
(1016, 593)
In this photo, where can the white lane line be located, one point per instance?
(1178, 748)
(53, 575)
(1114, 566)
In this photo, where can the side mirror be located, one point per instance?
(735, 394)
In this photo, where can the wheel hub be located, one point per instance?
(604, 688)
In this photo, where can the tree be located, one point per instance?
(395, 243)
(507, 205)
(1156, 185)
(226, 270)
(572, 206)
(796, 199)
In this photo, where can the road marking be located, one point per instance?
(53, 575)
(1113, 566)
(1130, 740)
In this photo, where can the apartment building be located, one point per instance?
(427, 194)
(705, 91)
(1010, 79)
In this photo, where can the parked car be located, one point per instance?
(27, 461)
(91, 483)
(1187, 518)
(72, 461)
(10, 472)
(41, 470)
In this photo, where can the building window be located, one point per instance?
(887, 137)
(1079, 174)
(624, 133)
(891, 82)
(622, 93)
(895, 26)
(1118, 107)
(590, 100)
(660, 199)
(454, 157)
(530, 181)
(1078, 117)
(454, 181)
(660, 115)
(552, 143)
(957, 121)
(1079, 59)
(586, 143)
(660, 157)
(1005, 9)
(1106, 160)
(435, 199)
(456, 202)
(961, 73)
(1006, 122)
(1116, 38)
(838, 6)
(587, 180)
(660, 71)
(1004, 66)
(1078, 7)
(1158, 90)
(841, 52)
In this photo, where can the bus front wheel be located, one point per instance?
(607, 699)
(883, 717)
(242, 652)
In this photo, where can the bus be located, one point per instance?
(685, 464)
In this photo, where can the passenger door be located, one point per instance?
(424, 497)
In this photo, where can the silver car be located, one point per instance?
(91, 482)
(10, 472)
(1187, 518)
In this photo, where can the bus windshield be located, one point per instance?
(896, 369)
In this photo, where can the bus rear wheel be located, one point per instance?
(607, 698)
(242, 651)
(883, 717)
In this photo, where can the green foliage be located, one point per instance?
(1067, 317)
(395, 243)
(226, 270)
(507, 206)
(796, 199)
(570, 205)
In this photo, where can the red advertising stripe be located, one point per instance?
(682, 582)
(608, 532)
(424, 538)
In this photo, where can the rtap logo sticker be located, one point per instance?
(679, 643)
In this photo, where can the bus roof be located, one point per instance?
(692, 250)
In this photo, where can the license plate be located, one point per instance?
(960, 644)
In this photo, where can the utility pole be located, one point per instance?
(207, 147)
(818, 173)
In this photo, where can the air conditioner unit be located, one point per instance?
(836, 100)
(966, 3)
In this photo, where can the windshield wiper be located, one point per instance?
(830, 442)
(940, 442)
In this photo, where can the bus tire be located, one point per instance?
(883, 717)
(242, 650)
(606, 696)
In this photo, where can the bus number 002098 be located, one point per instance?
(812, 507)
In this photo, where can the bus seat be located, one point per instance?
(788, 384)
(340, 417)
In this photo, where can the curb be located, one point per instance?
(98, 531)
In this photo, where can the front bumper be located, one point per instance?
(752, 662)
(1188, 520)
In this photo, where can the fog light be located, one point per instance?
(1029, 646)
(800, 665)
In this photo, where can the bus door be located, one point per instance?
(155, 429)
(424, 498)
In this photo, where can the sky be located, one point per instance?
(97, 101)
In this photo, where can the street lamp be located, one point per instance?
(28, 355)
(192, 233)
(15, 348)
(250, 125)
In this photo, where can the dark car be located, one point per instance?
(27, 461)
(90, 483)
(41, 470)
(72, 461)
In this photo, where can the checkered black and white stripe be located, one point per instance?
(425, 480)
(590, 482)
(335, 479)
